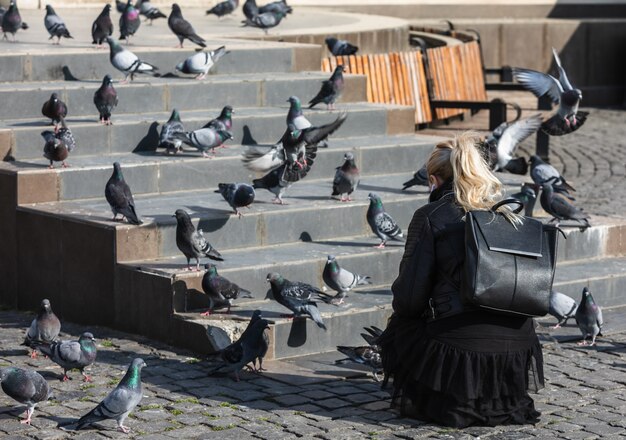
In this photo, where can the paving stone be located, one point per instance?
(291, 399)
(318, 394)
(604, 429)
(332, 403)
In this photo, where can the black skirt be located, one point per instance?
(474, 368)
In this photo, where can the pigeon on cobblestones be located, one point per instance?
(44, 329)
(340, 47)
(296, 296)
(204, 139)
(372, 336)
(71, 355)
(560, 208)
(562, 307)
(105, 99)
(507, 136)
(368, 355)
(12, 21)
(191, 242)
(25, 386)
(340, 280)
(118, 404)
(589, 318)
(223, 122)
(223, 8)
(55, 25)
(331, 89)
(129, 22)
(102, 27)
(127, 62)
(150, 12)
(182, 28)
(120, 198)
(55, 109)
(201, 63)
(346, 178)
(238, 195)
(382, 224)
(55, 149)
(265, 20)
(221, 291)
(167, 138)
(419, 178)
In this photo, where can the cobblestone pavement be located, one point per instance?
(585, 396)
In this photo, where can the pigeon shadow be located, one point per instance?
(150, 141)
(14, 352)
(307, 238)
(381, 189)
(297, 332)
(247, 138)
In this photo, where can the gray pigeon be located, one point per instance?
(102, 27)
(419, 178)
(191, 242)
(129, 22)
(562, 307)
(204, 139)
(182, 28)
(147, 10)
(117, 193)
(265, 20)
(200, 63)
(250, 9)
(26, 386)
(55, 150)
(224, 121)
(560, 208)
(340, 47)
(276, 6)
(167, 137)
(382, 224)
(12, 21)
(340, 280)
(118, 404)
(567, 118)
(105, 99)
(589, 318)
(274, 183)
(55, 25)
(221, 291)
(238, 195)
(127, 62)
(508, 135)
(346, 178)
(44, 329)
(223, 8)
(365, 355)
(295, 116)
(331, 89)
(72, 354)
(542, 172)
(296, 296)
(528, 196)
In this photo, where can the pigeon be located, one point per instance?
(102, 27)
(264, 343)
(129, 22)
(105, 99)
(200, 63)
(221, 292)
(419, 178)
(120, 6)
(127, 62)
(191, 242)
(567, 118)
(25, 386)
(542, 172)
(277, 6)
(117, 193)
(118, 404)
(72, 354)
(508, 135)
(252, 345)
(182, 28)
(55, 25)
(340, 280)
(295, 116)
(346, 178)
(224, 121)
(562, 307)
(223, 8)
(331, 89)
(340, 47)
(168, 130)
(55, 150)
(274, 183)
(560, 208)
(64, 134)
(528, 196)
(250, 9)
(12, 21)
(589, 318)
(44, 329)
(364, 355)
(204, 139)
(382, 224)
(372, 337)
(296, 296)
(150, 12)
(238, 195)
(55, 109)
(265, 21)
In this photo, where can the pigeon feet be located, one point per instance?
(582, 343)
(554, 327)
(29, 414)
(64, 165)
(33, 354)
(279, 201)
(65, 378)
(207, 313)
(124, 429)
(86, 378)
(380, 246)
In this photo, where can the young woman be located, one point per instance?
(453, 364)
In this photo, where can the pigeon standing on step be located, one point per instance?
(129, 22)
(346, 178)
(296, 296)
(55, 109)
(331, 89)
(507, 136)
(560, 208)
(65, 135)
(276, 6)
(274, 183)
(167, 138)
(182, 28)
(55, 25)
(562, 307)
(25, 386)
(120, 198)
(382, 224)
(265, 21)
(250, 9)
(44, 329)
(340, 47)
(55, 150)
(220, 291)
(204, 139)
(589, 318)
(238, 195)
(201, 63)
(567, 118)
(118, 404)
(191, 242)
(542, 172)
(12, 21)
(102, 27)
(224, 121)
(150, 12)
(71, 355)
(127, 62)
(105, 99)
(340, 280)
(419, 178)
(223, 8)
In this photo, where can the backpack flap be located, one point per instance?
(501, 236)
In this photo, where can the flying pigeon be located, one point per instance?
(118, 404)
(265, 21)
(129, 22)
(44, 329)
(12, 21)
(364, 355)
(382, 224)
(340, 47)
(346, 178)
(224, 121)
(567, 118)
(250, 9)
(277, 6)
(560, 208)
(72, 354)
(223, 8)
(296, 296)
(105, 99)
(528, 196)
(221, 291)
(55, 150)
(55, 25)
(331, 89)
(25, 386)
(191, 242)
(204, 139)
(507, 136)
(340, 280)
(102, 27)
(200, 63)
(150, 12)
(589, 318)
(419, 178)
(238, 195)
(127, 62)
(120, 6)
(182, 28)
(55, 109)
(562, 307)
(168, 130)
(117, 193)
(542, 172)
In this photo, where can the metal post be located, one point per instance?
(543, 139)
(497, 113)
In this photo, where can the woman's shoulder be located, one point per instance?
(445, 205)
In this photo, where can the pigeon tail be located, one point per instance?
(213, 254)
(131, 216)
(363, 280)
(197, 39)
(314, 313)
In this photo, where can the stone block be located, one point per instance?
(37, 187)
(136, 243)
(6, 145)
(616, 241)
(570, 39)
(196, 95)
(306, 58)
(401, 120)
(605, 45)
(12, 67)
(131, 99)
(521, 42)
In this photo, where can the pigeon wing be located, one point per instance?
(386, 224)
(562, 75)
(539, 83)
(313, 135)
(516, 133)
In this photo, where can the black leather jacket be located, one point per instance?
(430, 271)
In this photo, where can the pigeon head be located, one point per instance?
(175, 9)
(535, 160)
(107, 9)
(295, 102)
(87, 337)
(375, 200)
(330, 41)
(349, 157)
(571, 97)
(332, 263)
(54, 97)
(117, 171)
(211, 268)
(49, 10)
(275, 278)
(114, 45)
(45, 306)
(182, 216)
(586, 296)
(227, 112)
(529, 191)
(175, 116)
(223, 186)
(5, 372)
(107, 80)
(48, 135)
(330, 258)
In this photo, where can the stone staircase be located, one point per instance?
(61, 243)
